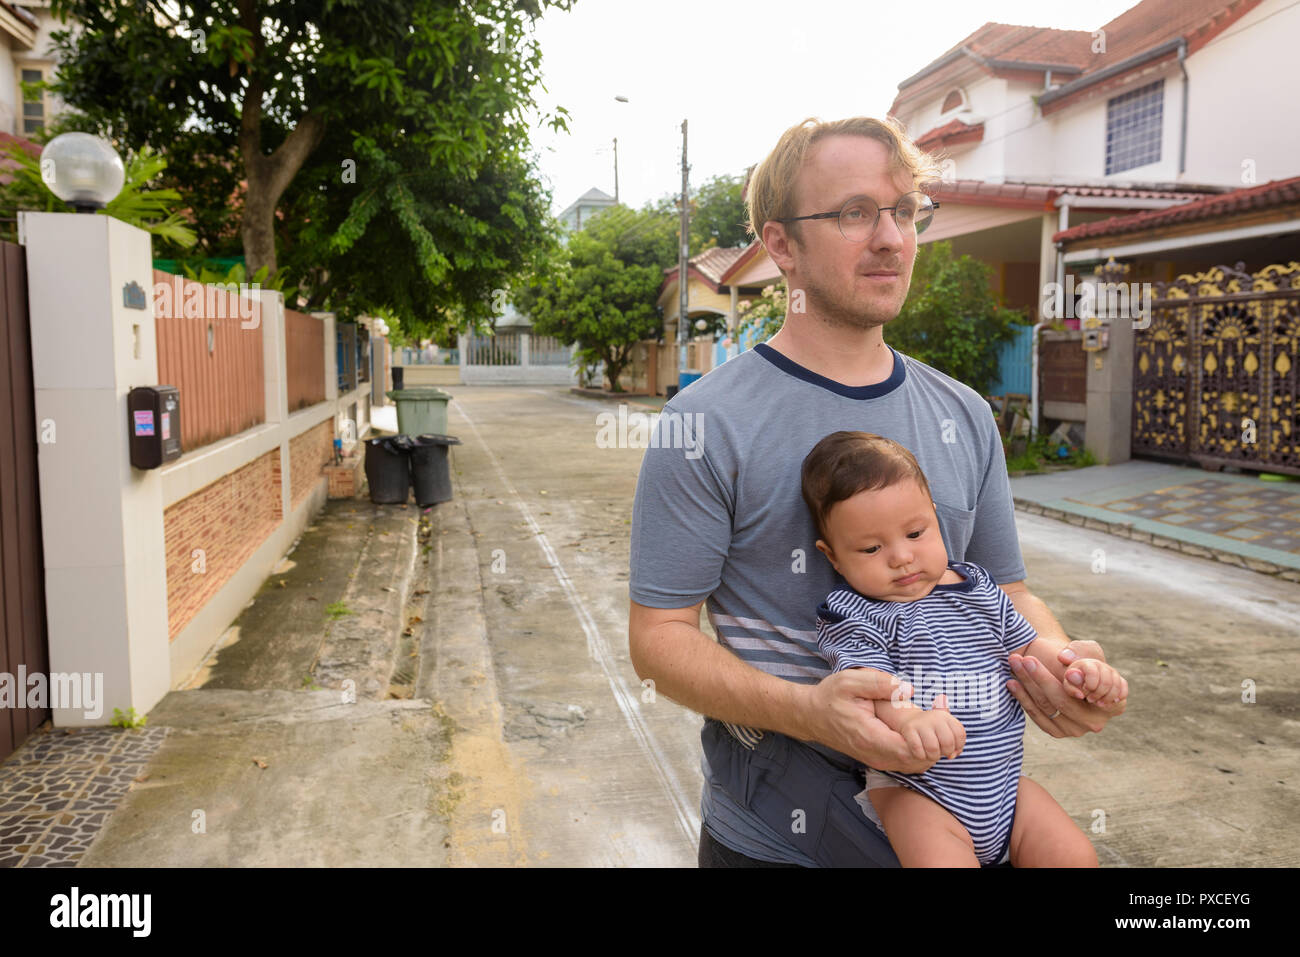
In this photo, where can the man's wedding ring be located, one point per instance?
(1050, 717)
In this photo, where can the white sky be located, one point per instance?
(741, 73)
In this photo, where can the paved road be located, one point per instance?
(571, 763)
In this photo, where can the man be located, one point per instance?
(718, 515)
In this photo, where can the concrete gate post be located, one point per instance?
(93, 336)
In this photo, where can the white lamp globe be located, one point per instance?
(701, 324)
(82, 170)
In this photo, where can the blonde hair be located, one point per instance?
(771, 189)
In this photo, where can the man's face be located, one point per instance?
(834, 272)
(886, 542)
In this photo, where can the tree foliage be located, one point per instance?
(598, 301)
(952, 319)
(718, 215)
(153, 210)
(600, 291)
(373, 146)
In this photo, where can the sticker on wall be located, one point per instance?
(144, 422)
(133, 296)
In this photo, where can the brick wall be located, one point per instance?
(308, 453)
(227, 521)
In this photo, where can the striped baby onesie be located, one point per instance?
(954, 641)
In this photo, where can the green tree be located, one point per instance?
(718, 214)
(597, 301)
(644, 237)
(153, 210)
(952, 319)
(414, 101)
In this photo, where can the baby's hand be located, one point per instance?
(1095, 681)
(933, 734)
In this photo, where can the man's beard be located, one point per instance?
(844, 312)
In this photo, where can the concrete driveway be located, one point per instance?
(564, 759)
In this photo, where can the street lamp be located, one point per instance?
(82, 170)
(620, 99)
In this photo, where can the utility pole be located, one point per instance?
(616, 171)
(683, 254)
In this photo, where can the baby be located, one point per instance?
(947, 629)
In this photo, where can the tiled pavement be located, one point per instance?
(1233, 517)
(1267, 516)
(57, 791)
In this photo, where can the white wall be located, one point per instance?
(9, 92)
(987, 98)
(1242, 106)
(1239, 109)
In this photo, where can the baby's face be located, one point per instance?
(886, 542)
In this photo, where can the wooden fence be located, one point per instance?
(304, 343)
(211, 350)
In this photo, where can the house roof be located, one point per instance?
(591, 197)
(708, 266)
(952, 133)
(1145, 34)
(1268, 196)
(1010, 50)
(714, 262)
(595, 195)
(1153, 22)
(976, 192)
(996, 48)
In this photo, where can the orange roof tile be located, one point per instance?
(1276, 193)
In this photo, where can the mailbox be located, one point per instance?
(154, 413)
(1096, 336)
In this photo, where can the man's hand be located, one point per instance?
(1095, 682)
(1050, 706)
(839, 712)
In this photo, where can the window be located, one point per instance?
(951, 101)
(1133, 127)
(33, 104)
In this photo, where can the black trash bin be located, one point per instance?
(399, 374)
(430, 468)
(388, 470)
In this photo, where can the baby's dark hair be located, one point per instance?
(845, 463)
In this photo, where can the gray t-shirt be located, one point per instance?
(718, 514)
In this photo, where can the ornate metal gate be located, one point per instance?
(1215, 374)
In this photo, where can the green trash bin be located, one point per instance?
(421, 410)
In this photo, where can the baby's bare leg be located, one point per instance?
(1043, 835)
(922, 833)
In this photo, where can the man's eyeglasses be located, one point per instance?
(858, 216)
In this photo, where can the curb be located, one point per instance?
(374, 624)
(1126, 530)
(617, 397)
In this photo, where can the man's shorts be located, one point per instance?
(875, 779)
